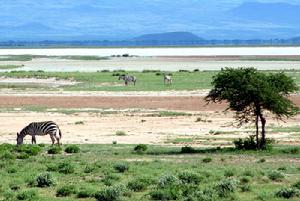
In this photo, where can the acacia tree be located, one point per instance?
(250, 92)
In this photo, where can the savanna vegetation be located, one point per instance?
(141, 172)
(147, 80)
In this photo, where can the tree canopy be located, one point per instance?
(249, 92)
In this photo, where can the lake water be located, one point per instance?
(186, 51)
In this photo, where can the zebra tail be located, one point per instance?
(60, 135)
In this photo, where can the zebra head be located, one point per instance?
(19, 139)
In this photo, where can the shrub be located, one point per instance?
(187, 150)
(72, 149)
(120, 133)
(248, 173)
(66, 190)
(245, 187)
(7, 156)
(27, 195)
(32, 150)
(262, 160)
(293, 150)
(170, 193)
(297, 185)
(250, 143)
(138, 184)
(66, 168)
(207, 160)
(54, 150)
(85, 193)
(44, 180)
(225, 187)
(229, 173)
(109, 179)
(11, 170)
(287, 193)
(189, 178)
(168, 180)
(23, 156)
(90, 168)
(140, 148)
(275, 175)
(14, 186)
(245, 179)
(110, 193)
(121, 167)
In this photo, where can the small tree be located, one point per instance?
(250, 92)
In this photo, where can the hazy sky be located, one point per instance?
(119, 19)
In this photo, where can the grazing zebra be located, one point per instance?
(128, 79)
(167, 79)
(40, 128)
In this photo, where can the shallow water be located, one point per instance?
(180, 51)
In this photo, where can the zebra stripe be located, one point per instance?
(40, 128)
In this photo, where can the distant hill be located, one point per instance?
(169, 37)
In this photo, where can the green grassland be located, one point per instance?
(108, 81)
(147, 80)
(123, 172)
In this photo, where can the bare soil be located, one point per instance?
(215, 127)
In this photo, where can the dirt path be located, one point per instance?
(189, 103)
(169, 103)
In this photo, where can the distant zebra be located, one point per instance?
(128, 79)
(167, 79)
(40, 128)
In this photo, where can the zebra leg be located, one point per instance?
(33, 140)
(52, 139)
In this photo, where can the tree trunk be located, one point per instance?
(263, 131)
(257, 133)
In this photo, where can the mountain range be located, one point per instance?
(118, 20)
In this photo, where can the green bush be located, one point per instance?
(207, 160)
(90, 168)
(138, 184)
(66, 190)
(140, 148)
(170, 193)
(120, 133)
(245, 179)
(6, 155)
(23, 156)
(109, 179)
(54, 150)
(187, 177)
(27, 195)
(32, 150)
(110, 193)
(293, 150)
(245, 187)
(250, 143)
(121, 167)
(229, 173)
(297, 185)
(275, 175)
(187, 150)
(66, 168)
(85, 193)
(225, 187)
(168, 180)
(44, 180)
(287, 193)
(72, 149)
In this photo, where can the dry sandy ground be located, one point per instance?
(140, 125)
(148, 63)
